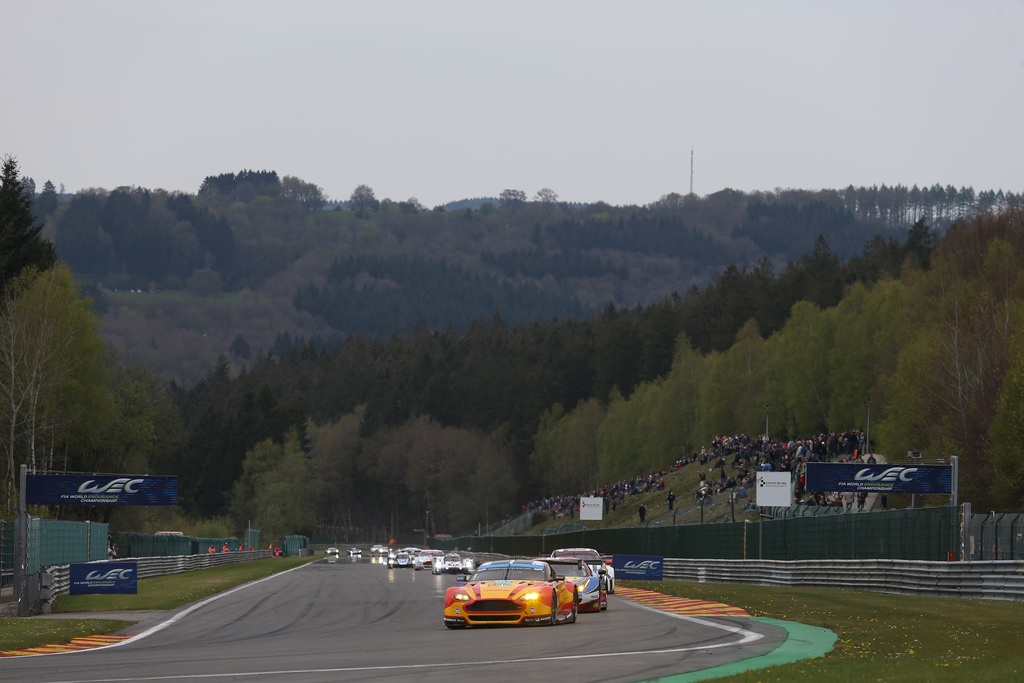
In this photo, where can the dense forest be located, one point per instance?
(549, 349)
(181, 279)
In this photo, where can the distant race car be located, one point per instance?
(355, 552)
(332, 555)
(511, 592)
(592, 586)
(428, 558)
(332, 551)
(453, 563)
(378, 549)
(401, 560)
(593, 558)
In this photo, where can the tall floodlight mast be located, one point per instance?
(691, 170)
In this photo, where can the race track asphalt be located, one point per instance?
(357, 621)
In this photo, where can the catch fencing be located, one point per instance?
(924, 534)
(928, 534)
(52, 541)
(7, 542)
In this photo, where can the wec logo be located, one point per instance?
(643, 566)
(122, 485)
(889, 475)
(112, 575)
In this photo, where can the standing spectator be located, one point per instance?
(642, 511)
(861, 497)
(671, 500)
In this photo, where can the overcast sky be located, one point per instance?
(443, 100)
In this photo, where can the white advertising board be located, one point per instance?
(774, 489)
(591, 508)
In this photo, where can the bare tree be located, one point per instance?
(39, 327)
(363, 199)
(512, 200)
(546, 195)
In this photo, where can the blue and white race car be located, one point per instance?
(592, 586)
(591, 557)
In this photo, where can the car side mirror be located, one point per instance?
(602, 571)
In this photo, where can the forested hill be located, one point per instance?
(547, 349)
(252, 262)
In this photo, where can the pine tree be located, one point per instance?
(20, 243)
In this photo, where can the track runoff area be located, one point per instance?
(354, 620)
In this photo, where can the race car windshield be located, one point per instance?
(590, 557)
(513, 573)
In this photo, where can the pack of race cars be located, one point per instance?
(545, 590)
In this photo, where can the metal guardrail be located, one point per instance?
(992, 579)
(56, 579)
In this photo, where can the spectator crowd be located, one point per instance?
(729, 466)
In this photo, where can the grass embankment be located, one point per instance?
(881, 637)
(684, 482)
(156, 593)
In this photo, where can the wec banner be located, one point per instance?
(637, 567)
(825, 476)
(65, 489)
(106, 577)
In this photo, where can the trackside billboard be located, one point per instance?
(106, 577)
(637, 567)
(66, 489)
(591, 508)
(827, 476)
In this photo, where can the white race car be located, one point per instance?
(591, 557)
(355, 552)
(453, 563)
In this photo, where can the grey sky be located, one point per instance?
(443, 100)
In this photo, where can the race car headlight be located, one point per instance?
(462, 597)
(531, 596)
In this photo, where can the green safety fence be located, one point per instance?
(134, 544)
(997, 537)
(294, 545)
(53, 541)
(922, 534)
(7, 541)
(252, 539)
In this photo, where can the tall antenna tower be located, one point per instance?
(691, 170)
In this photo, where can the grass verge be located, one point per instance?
(156, 593)
(880, 637)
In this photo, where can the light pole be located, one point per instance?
(867, 436)
(767, 407)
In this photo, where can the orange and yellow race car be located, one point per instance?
(511, 592)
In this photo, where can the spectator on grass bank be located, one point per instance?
(642, 511)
